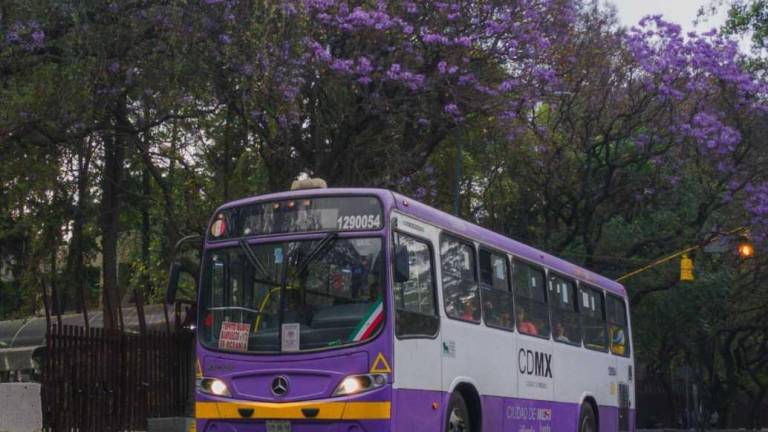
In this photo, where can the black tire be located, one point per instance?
(587, 419)
(457, 417)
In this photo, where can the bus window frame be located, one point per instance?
(556, 307)
(475, 261)
(627, 343)
(545, 271)
(586, 286)
(510, 286)
(435, 286)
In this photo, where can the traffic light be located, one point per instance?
(746, 249)
(686, 269)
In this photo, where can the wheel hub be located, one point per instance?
(456, 423)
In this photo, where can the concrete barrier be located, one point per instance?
(170, 424)
(20, 407)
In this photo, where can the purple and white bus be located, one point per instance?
(363, 310)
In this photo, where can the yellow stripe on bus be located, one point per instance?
(293, 410)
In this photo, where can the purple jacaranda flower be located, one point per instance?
(452, 109)
(247, 69)
(38, 38)
(13, 37)
(364, 66)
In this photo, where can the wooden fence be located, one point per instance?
(98, 380)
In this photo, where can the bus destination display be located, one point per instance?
(309, 215)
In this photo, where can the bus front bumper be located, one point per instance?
(308, 416)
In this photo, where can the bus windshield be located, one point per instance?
(331, 296)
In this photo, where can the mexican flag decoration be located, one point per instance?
(370, 323)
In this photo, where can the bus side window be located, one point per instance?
(566, 324)
(592, 307)
(496, 293)
(531, 313)
(416, 314)
(617, 326)
(460, 292)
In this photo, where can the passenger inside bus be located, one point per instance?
(506, 319)
(618, 343)
(524, 325)
(560, 333)
(490, 312)
(470, 313)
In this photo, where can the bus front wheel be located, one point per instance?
(458, 415)
(587, 422)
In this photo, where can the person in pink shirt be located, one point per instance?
(525, 326)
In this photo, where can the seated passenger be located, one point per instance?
(491, 314)
(524, 325)
(506, 320)
(618, 341)
(469, 313)
(560, 333)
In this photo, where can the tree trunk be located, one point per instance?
(110, 225)
(145, 232)
(76, 254)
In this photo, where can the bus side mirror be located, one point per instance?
(402, 264)
(173, 282)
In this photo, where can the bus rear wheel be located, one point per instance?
(458, 416)
(587, 421)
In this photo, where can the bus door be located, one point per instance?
(417, 347)
(621, 371)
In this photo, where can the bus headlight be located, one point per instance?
(355, 384)
(213, 386)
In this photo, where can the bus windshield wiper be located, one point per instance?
(318, 251)
(256, 263)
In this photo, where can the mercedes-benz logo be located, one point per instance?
(280, 386)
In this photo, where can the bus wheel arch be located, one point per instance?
(471, 399)
(589, 408)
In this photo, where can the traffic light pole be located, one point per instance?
(677, 254)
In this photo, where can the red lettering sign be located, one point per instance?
(234, 336)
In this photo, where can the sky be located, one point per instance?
(682, 12)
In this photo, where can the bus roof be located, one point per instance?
(459, 226)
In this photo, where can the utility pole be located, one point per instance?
(457, 176)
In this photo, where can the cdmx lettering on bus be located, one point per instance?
(534, 363)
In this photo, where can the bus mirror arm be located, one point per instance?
(402, 264)
(177, 267)
(173, 282)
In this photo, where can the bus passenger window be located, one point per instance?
(531, 314)
(565, 319)
(460, 291)
(415, 298)
(592, 307)
(617, 326)
(498, 307)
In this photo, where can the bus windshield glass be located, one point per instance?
(331, 295)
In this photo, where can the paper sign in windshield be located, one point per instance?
(291, 333)
(234, 336)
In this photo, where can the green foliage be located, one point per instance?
(198, 121)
